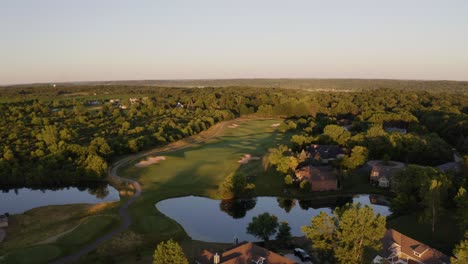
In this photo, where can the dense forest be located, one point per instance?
(306, 84)
(66, 135)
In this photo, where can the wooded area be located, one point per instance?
(65, 135)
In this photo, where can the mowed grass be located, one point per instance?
(88, 231)
(36, 254)
(86, 222)
(197, 170)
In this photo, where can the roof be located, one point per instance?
(395, 130)
(245, 253)
(320, 177)
(450, 166)
(325, 151)
(380, 169)
(409, 247)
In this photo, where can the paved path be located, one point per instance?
(126, 220)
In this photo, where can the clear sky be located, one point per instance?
(86, 40)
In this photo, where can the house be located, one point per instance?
(401, 249)
(179, 105)
(450, 166)
(246, 252)
(324, 153)
(3, 221)
(382, 173)
(395, 130)
(321, 178)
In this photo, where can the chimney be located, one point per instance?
(236, 240)
(216, 259)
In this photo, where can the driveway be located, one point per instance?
(298, 260)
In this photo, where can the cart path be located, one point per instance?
(123, 210)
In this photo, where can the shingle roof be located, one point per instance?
(325, 151)
(320, 177)
(450, 166)
(245, 253)
(409, 246)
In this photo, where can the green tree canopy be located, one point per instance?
(263, 226)
(169, 252)
(347, 232)
(284, 233)
(461, 252)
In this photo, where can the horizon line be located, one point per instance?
(227, 79)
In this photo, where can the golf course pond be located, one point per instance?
(220, 221)
(16, 201)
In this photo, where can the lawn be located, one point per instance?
(446, 234)
(35, 254)
(28, 230)
(87, 231)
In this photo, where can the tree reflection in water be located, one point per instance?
(237, 208)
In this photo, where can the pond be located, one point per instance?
(15, 201)
(219, 221)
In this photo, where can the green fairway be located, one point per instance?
(198, 170)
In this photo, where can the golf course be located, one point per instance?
(198, 169)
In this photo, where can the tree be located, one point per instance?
(169, 252)
(288, 180)
(263, 226)
(284, 233)
(432, 199)
(461, 252)
(347, 232)
(358, 157)
(337, 134)
(304, 185)
(232, 186)
(461, 200)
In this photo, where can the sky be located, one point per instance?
(91, 40)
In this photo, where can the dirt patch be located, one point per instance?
(149, 161)
(276, 125)
(233, 126)
(246, 158)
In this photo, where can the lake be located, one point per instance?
(15, 201)
(219, 221)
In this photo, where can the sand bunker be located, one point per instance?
(149, 161)
(233, 126)
(247, 158)
(276, 125)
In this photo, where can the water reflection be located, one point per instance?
(237, 208)
(219, 221)
(16, 201)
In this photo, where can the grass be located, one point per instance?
(36, 254)
(88, 231)
(36, 225)
(446, 234)
(197, 170)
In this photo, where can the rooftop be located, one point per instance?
(411, 248)
(246, 252)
